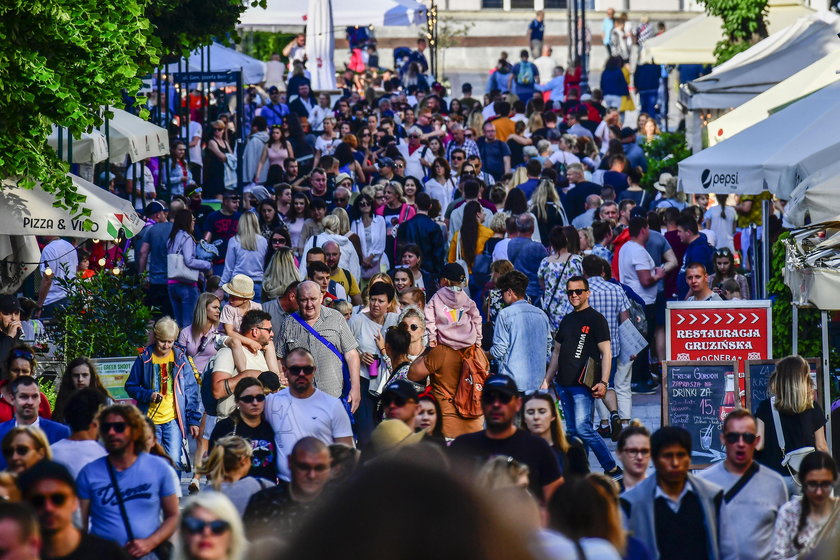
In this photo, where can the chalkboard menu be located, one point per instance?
(757, 380)
(697, 396)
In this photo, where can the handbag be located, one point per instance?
(177, 269)
(164, 549)
(793, 459)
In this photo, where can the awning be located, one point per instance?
(32, 212)
(90, 148)
(774, 154)
(693, 42)
(223, 59)
(345, 12)
(130, 135)
(19, 257)
(765, 64)
(808, 80)
(817, 197)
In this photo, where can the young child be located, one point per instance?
(240, 291)
(452, 318)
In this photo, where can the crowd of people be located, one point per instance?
(411, 315)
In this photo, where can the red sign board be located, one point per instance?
(719, 331)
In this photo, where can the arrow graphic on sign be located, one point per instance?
(693, 319)
(755, 317)
(743, 317)
(705, 319)
(681, 319)
(731, 318)
(718, 318)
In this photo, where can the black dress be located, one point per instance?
(214, 171)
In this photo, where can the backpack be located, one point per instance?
(525, 76)
(474, 371)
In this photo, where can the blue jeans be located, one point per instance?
(647, 100)
(183, 298)
(577, 405)
(169, 436)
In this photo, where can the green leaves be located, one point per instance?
(663, 155)
(744, 24)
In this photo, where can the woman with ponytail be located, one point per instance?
(227, 469)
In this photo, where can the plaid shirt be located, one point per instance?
(469, 146)
(610, 301)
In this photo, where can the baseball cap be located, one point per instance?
(501, 383)
(638, 212)
(454, 272)
(45, 470)
(385, 162)
(231, 194)
(153, 208)
(9, 304)
(272, 90)
(402, 388)
(466, 87)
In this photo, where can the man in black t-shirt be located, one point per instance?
(583, 335)
(501, 402)
(222, 225)
(50, 489)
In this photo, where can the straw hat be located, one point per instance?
(240, 286)
(390, 434)
(664, 179)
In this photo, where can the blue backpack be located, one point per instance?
(525, 75)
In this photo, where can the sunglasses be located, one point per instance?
(249, 399)
(733, 437)
(278, 241)
(298, 370)
(490, 398)
(38, 501)
(813, 485)
(25, 354)
(576, 292)
(399, 166)
(457, 158)
(363, 203)
(13, 450)
(413, 327)
(196, 526)
(118, 427)
(396, 400)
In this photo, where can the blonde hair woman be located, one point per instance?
(211, 529)
(227, 468)
(535, 122)
(349, 258)
(281, 272)
(802, 419)
(246, 253)
(546, 208)
(502, 472)
(23, 446)
(344, 230)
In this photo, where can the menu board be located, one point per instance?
(697, 396)
(113, 373)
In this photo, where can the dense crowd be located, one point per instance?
(404, 332)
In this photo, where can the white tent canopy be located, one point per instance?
(18, 257)
(90, 148)
(817, 197)
(345, 13)
(130, 135)
(774, 154)
(223, 59)
(765, 64)
(693, 42)
(32, 212)
(808, 80)
(320, 44)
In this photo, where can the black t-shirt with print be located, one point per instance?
(578, 335)
(262, 440)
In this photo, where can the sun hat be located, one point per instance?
(240, 286)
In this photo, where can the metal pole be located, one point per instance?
(60, 141)
(574, 35)
(569, 32)
(794, 346)
(69, 148)
(826, 388)
(240, 142)
(584, 76)
(765, 245)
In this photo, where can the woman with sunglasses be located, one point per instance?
(725, 270)
(278, 239)
(633, 451)
(806, 520)
(211, 529)
(20, 361)
(539, 416)
(23, 446)
(370, 227)
(248, 422)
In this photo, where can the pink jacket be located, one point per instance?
(452, 319)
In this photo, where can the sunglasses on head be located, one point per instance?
(576, 292)
(298, 370)
(196, 526)
(249, 399)
(25, 354)
(491, 397)
(723, 253)
(118, 427)
(733, 437)
(38, 501)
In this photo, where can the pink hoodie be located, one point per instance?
(452, 319)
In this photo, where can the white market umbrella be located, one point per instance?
(33, 212)
(765, 64)
(817, 197)
(224, 59)
(90, 148)
(320, 45)
(130, 135)
(693, 42)
(774, 154)
(19, 257)
(380, 13)
(805, 82)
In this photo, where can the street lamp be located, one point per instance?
(432, 37)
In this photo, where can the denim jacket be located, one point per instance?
(522, 343)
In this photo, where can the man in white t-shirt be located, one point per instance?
(194, 132)
(83, 445)
(301, 410)
(256, 325)
(58, 260)
(635, 265)
(369, 329)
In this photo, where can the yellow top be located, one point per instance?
(484, 233)
(164, 411)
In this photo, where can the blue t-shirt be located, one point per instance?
(537, 29)
(142, 486)
(492, 156)
(157, 237)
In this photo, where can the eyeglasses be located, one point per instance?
(490, 398)
(301, 370)
(25, 354)
(196, 526)
(58, 499)
(575, 292)
(363, 203)
(22, 450)
(264, 328)
(636, 451)
(249, 399)
(118, 427)
(733, 437)
(396, 400)
(813, 485)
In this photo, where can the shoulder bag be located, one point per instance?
(177, 269)
(793, 459)
(547, 305)
(164, 549)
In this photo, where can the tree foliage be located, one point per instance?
(664, 154)
(744, 24)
